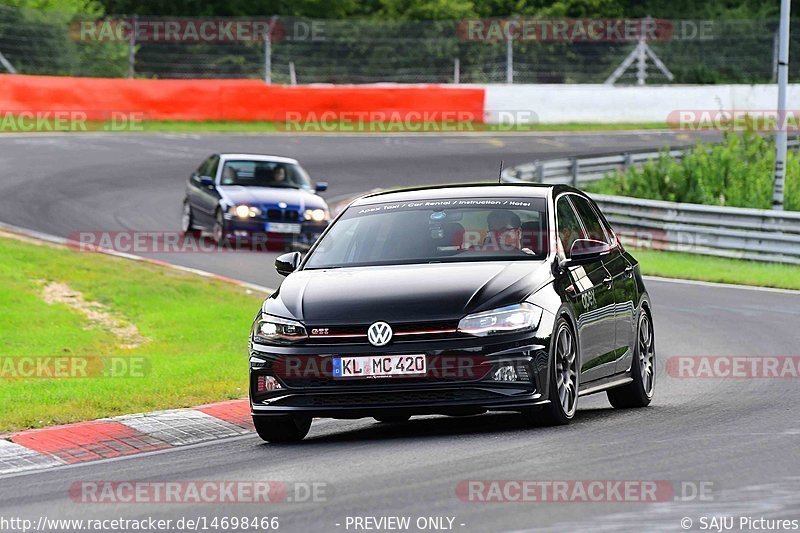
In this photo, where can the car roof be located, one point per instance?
(472, 190)
(258, 157)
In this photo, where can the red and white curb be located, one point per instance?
(108, 438)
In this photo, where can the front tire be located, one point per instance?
(563, 378)
(220, 231)
(187, 221)
(282, 428)
(639, 392)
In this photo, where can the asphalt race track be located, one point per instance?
(100, 183)
(739, 436)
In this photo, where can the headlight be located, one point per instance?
(506, 319)
(317, 215)
(272, 329)
(245, 211)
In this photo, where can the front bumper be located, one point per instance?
(308, 230)
(470, 390)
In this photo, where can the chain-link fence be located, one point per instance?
(293, 50)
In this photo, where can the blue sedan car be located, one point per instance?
(244, 195)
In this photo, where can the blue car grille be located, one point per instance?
(283, 215)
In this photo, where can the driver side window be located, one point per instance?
(209, 167)
(569, 228)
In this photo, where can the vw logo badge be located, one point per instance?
(379, 334)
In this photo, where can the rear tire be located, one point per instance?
(282, 428)
(639, 392)
(563, 379)
(392, 419)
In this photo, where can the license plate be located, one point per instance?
(379, 366)
(282, 227)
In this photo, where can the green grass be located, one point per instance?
(225, 126)
(717, 269)
(197, 329)
(737, 172)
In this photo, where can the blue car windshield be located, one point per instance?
(264, 174)
(442, 230)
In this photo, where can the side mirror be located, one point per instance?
(321, 186)
(206, 181)
(287, 263)
(585, 251)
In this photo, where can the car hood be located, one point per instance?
(412, 293)
(272, 196)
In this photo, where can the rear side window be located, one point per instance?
(569, 228)
(591, 221)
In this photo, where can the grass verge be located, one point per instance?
(717, 269)
(196, 332)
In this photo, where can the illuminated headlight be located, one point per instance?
(272, 329)
(317, 215)
(245, 211)
(513, 318)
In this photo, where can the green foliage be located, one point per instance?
(442, 9)
(737, 172)
(63, 7)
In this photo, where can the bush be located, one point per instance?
(737, 172)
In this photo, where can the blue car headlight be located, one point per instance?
(317, 215)
(245, 211)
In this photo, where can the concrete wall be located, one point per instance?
(550, 104)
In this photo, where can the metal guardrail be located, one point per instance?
(576, 171)
(754, 234)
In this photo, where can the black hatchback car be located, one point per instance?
(453, 300)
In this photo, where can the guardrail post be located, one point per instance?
(539, 177)
(575, 170)
(627, 162)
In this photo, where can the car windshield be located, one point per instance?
(446, 230)
(264, 174)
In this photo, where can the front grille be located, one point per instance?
(385, 398)
(402, 332)
(281, 215)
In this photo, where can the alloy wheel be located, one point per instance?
(566, 370)
(647, 354)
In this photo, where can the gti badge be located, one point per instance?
(379, 334)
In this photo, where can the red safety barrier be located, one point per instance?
(237, 99)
